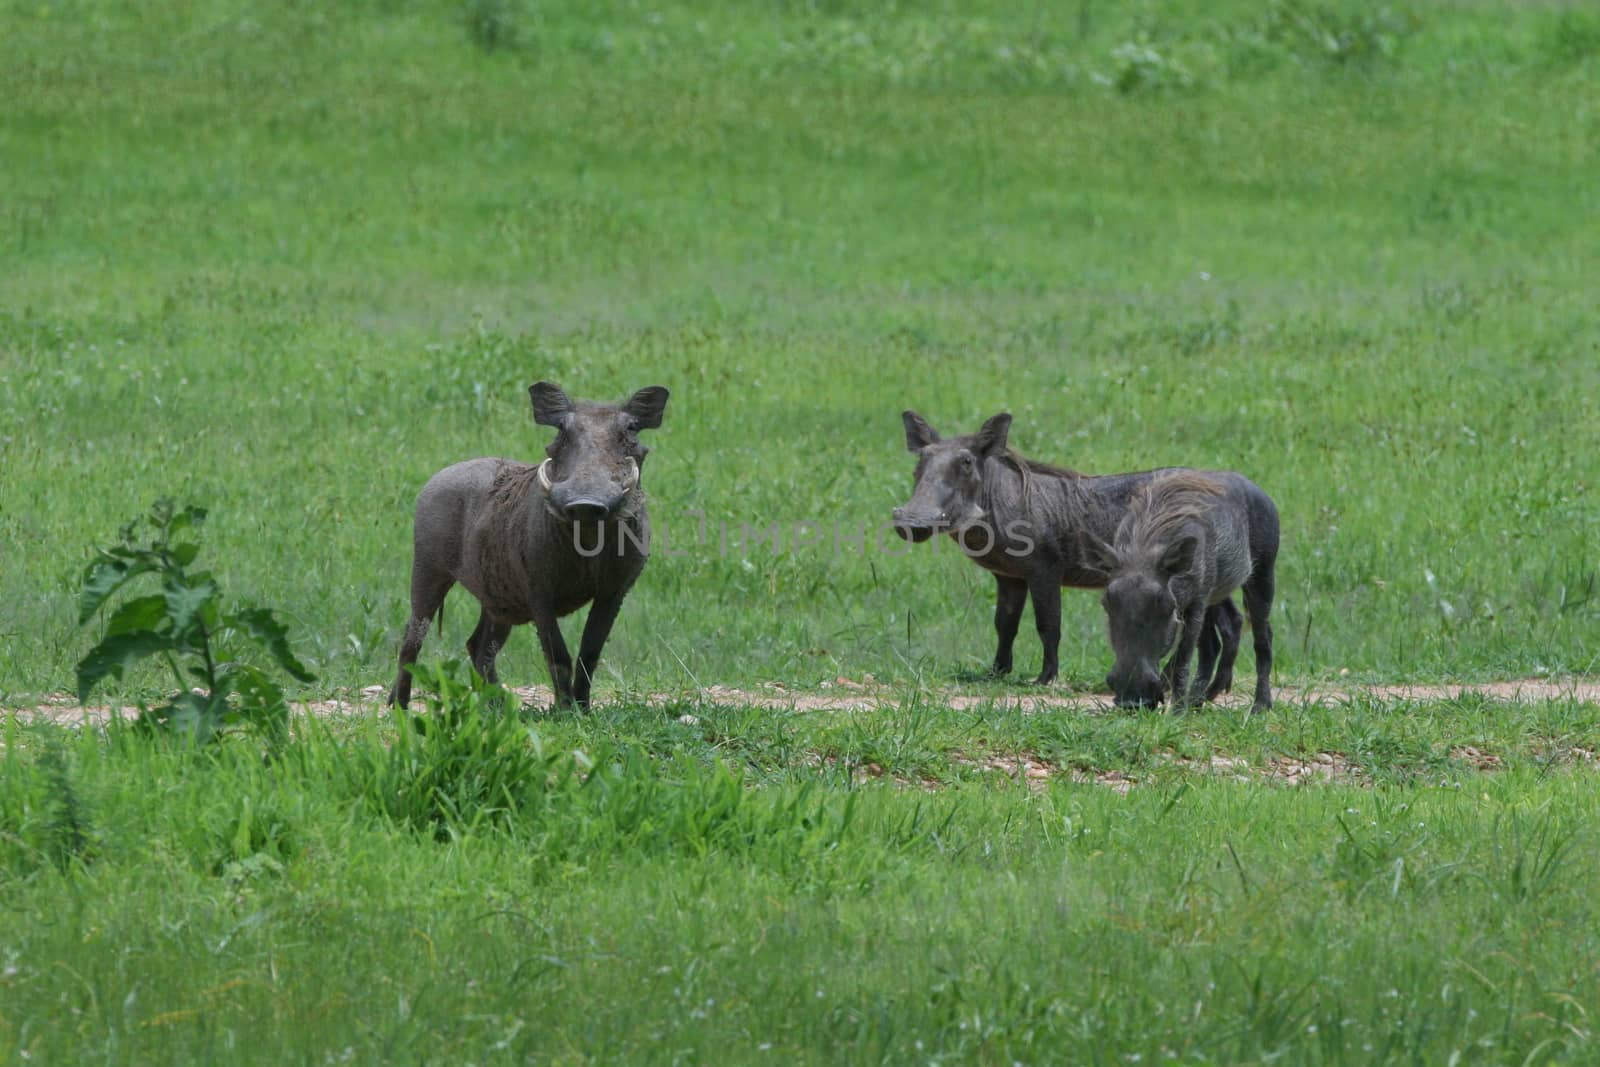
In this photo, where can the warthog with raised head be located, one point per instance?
(537, 542)
(1188, 540)
(1028, 523)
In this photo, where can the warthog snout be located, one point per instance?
(917, 527)
(586, 510)
(1146, 689)
(589, 495)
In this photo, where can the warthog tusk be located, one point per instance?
(544, 476)
(633, 474)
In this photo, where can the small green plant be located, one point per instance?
(44, 816)
(66, 826)
(1573, 38)
(492, 24)
(1314, 33)
(1137, 66)
(185, 626)
(463, 766)
(1531, 862)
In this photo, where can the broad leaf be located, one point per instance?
(186, 601)
(187, 519)
(197, 715)
(104, 577)
(264, 627)
(114, 655)
(254, 685)
(262, 703)
(140, 613)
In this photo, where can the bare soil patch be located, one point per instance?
(845, 694)
(1037, 772)
(1032, 769)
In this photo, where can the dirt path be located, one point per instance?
(844, 694)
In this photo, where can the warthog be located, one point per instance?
(1189, 539)
(1027, 523)
(535, 543)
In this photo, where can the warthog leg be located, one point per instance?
(1258, 593)
(1227, 624)
(428, 589)
(602, 614)
(1210, 645)
(556, 656)
(1180, 668)
(1046, 592)
(1010, 596)
(487, 639)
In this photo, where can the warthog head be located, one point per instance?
(595, 459)
(1142, 614)
(948, 494)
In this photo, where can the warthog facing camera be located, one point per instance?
(535, 543)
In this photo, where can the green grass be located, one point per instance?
(287, 264)
(284, 262)
(672, 896)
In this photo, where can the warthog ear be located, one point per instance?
(919, 434)
(1099, 556)
(994, 434)
(551, 407)
(1179, 556)
(647, 405)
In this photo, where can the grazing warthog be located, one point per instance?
(1027, 524)
(1189, 539)
(537, 542)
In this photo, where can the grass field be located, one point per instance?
(288, 266)
(286, 262)
(735, 887)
